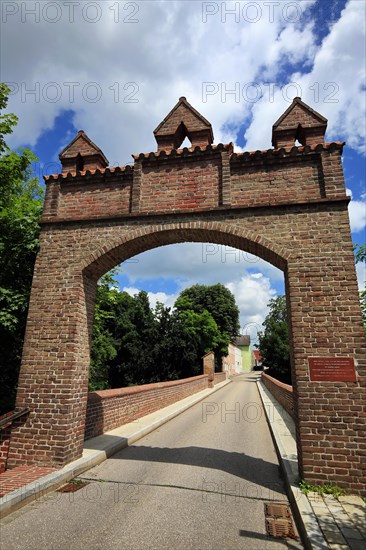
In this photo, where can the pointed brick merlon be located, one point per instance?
(183, 121)
(82, 154)
(299, 122)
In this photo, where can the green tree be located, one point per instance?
(135, 332)
(220, 303)
(20, 210)
(103, 343)
(132, 344)
(217, 300)
(360, 257)
(274, 341)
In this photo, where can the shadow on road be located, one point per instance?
(254, 470)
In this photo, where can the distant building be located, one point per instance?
(243, 343)
(257, 358)
(232, 363)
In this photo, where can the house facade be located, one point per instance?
(232, 363)
(243, 343)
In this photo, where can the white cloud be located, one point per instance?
(334, 86)
(203, 263)
(172, 51)
(169, 52)
(184, 264)
(357, 212)
(252, 294)
(154, 297)
(357, 215)
(361, 275)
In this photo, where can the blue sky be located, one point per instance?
(115, 69)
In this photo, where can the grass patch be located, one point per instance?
(328, 488)
(77, 481)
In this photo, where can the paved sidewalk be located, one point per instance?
(342, 521)
(324, 522)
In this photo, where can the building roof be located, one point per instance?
(242, 340)
(298, 103)
(203, 122)
(84, 145)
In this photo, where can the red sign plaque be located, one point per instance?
(332, 369)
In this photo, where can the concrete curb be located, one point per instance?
(98, 449)
(283, 433)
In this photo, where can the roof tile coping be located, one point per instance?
(109, 171)
(290, 151)
(193, 151)
(186, 151)
(143, 388)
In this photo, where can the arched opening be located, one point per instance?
(136, 324)
(79, 163)
(209, 237)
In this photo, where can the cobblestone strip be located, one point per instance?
(342, 521)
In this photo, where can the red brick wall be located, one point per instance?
(197, 182)
(281, 392)
(262, 184)
(219, 377)
(107, 198)
(162, 190)
(87, 196)
(109, 409)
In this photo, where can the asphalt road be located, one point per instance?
(198, 482)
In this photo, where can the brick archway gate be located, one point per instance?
(286, 205)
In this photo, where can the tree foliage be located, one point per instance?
(20, 209)
(133, 344)
(360, 257)
(220, 303)
(274, 341)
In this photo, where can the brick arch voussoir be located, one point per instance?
(123, 247)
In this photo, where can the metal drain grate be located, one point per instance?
(277, 510)
(280, 528)
(72, 487)
(279, 522)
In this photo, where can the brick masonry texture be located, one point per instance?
(219, 377)
(281, 392)
(109, 409)
(293, 216)
(18, 477)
